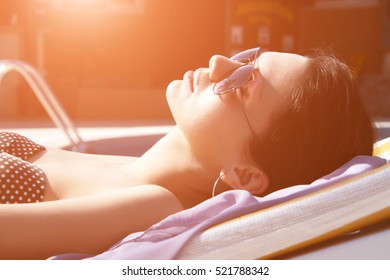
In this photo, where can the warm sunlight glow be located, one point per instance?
(2, 69)
(82, 3)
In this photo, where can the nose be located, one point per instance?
(220, 66)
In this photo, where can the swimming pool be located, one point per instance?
(114, 138)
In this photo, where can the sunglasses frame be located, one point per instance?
(248, 57)
(250, 61)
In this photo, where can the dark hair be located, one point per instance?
(325, 126)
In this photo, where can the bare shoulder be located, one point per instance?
(52, 153)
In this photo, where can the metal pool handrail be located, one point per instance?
(47, 98)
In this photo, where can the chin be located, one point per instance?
(171, 94)
(174, 87)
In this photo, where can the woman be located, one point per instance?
(257, 121)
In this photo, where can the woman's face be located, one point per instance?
(216, 123)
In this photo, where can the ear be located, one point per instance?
(246, 177)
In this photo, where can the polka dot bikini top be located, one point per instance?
(20, 181)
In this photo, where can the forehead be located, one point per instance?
(285, 62)
(282, 71)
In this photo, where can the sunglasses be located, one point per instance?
(239, 77)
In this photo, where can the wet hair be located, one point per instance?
(325, 126)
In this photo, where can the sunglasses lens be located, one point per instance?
(246, 56)
(235, 80)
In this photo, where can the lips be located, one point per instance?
(189, 79)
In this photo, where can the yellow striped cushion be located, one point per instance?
(279, 229)
(382, 148)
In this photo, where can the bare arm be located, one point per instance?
(89, 224)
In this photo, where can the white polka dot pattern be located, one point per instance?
(20, 181)
(18, 145)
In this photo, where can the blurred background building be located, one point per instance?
(112, 59)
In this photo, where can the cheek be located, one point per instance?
(187, 107)
(265, 105)
(219, 130)
(206, 119)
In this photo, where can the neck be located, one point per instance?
(170, 163)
